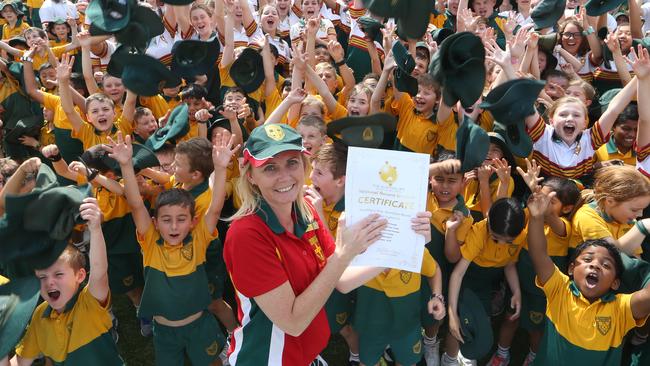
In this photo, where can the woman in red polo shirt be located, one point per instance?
(282, 260)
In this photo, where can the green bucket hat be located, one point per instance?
(18, 299)
(414, 18)
(18, 41)
(62, 212)
(371, 27)
(268, 140)
(143, 74)
(28, 126)
(109, 15)
(472, 144)
(547, 13)
(143, 157)
(405, 82)
(143, 25)
(513, 101)
(16, 5)
(178, 2)
(386, 8)
(362, 131)
(57, 21)
(474, 325)
(193, 57)
(246, 71)
(607, 97)
(459, 66)
(177, 126)
(217, 120)
(599, 7)
(498, 139)
(403, 59)
(440, 34)
(547, 42)
(518, 142)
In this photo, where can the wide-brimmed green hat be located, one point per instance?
(193, 57)
(518, 142)
(28, 126)
(547, 13)
(62, 212)
(371, 27)
(362, 131)
(547, 42)
(475, 326)
(414, 20)
(403, 59)
(513, 101)
(109, 15)
(178, 2)
(18, 299)
(472, 145)
(16, 5)
(386, 8)
(405, 82)
(177, 126)
(599, 7)
(246, 71)
(143, 74)
(268, 140)
(459, 67)
(143, 25)
(607, 97)
(217, 120)
(18, 41)
(57, 21)
(497, 138)
(143, 157)
(439, 35)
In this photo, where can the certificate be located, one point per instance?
(394, 185)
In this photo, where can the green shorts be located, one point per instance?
(215, 268)
(201, 340)
(407, 348)
(483, 281)
(125, 272)
(339, 309)
(425, 294)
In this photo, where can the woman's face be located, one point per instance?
(571, 38)
(280, 180)
(269, 19)
(114, 88)
(201, 21)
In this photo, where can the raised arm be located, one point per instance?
(452, 246)
(642, 72)
(542, 263)
(247, 14)
(619, 60)
(182, 13)
(128, 110)
(29, 168)
(380, 90)
(617, 105)
(10, 50)
(222, 153)
(228, 54)
(267, 63)
(122, 151)
(30, 78)
(98, 276)
(640, 303)
(321, 88)
(338, 54)
(85, 41)
(295, 97)
(63, 77)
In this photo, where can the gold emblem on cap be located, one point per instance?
(274, 131)
(367, 135)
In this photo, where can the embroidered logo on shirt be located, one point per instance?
(417, 347)
(512, 249)
(536, 317)
(315, 245)
(212, 349)
(127, 281)
(187, 251)
(603, 324)
(405, 276)
(431, 135)
(341, 318)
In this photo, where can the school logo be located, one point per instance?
(332, 223)
(315, 245)
(431, 135)
(512, 249)
(405, 276)
(211, 288)
(388, 174)
(367, 134)
(187, 251)
(603, 324)
(536, 317)
(127, 281)
(417, 347)
(274, 131)
(212, 349)
(341, 318)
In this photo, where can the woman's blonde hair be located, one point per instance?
(621, 183)
(250, 195)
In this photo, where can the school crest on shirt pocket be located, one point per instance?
(603, 324)
(341, 318)
(405, 276)
(187, 251)
(536, 317)
(212, 349)
(431, 135)
(127, 281)
(417, 347)
(512, 249)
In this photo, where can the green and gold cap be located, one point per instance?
(268, 140)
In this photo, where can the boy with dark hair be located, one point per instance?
(174, 244)
(194, 96)
(73, 324)
(585, 320)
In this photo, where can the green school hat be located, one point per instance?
(440, 34)
(193, 57)
(414, 18)
(109, 15)
(405, 82)
(547, 42)
(16, 5)
(62, 212)
(143, 74)
(517, 140)
(18, 299)
(513, 100)
(598, 7)
(499, 139)
(547, 13)
(96, 157)
(217, 120)
(268, 140)
(472, 144)
(636, 274)
(459, 68)
(28, 126)
(371, 27)
(178, 2)
(385, 8)
(362, 131)
(403, 59)
(143, 25)
(178, 125)
(474, 325)
(246, 71)
(607, 97)
(18, 41)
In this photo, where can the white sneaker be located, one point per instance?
(464, 361)
(446, 360)
(432, 354)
